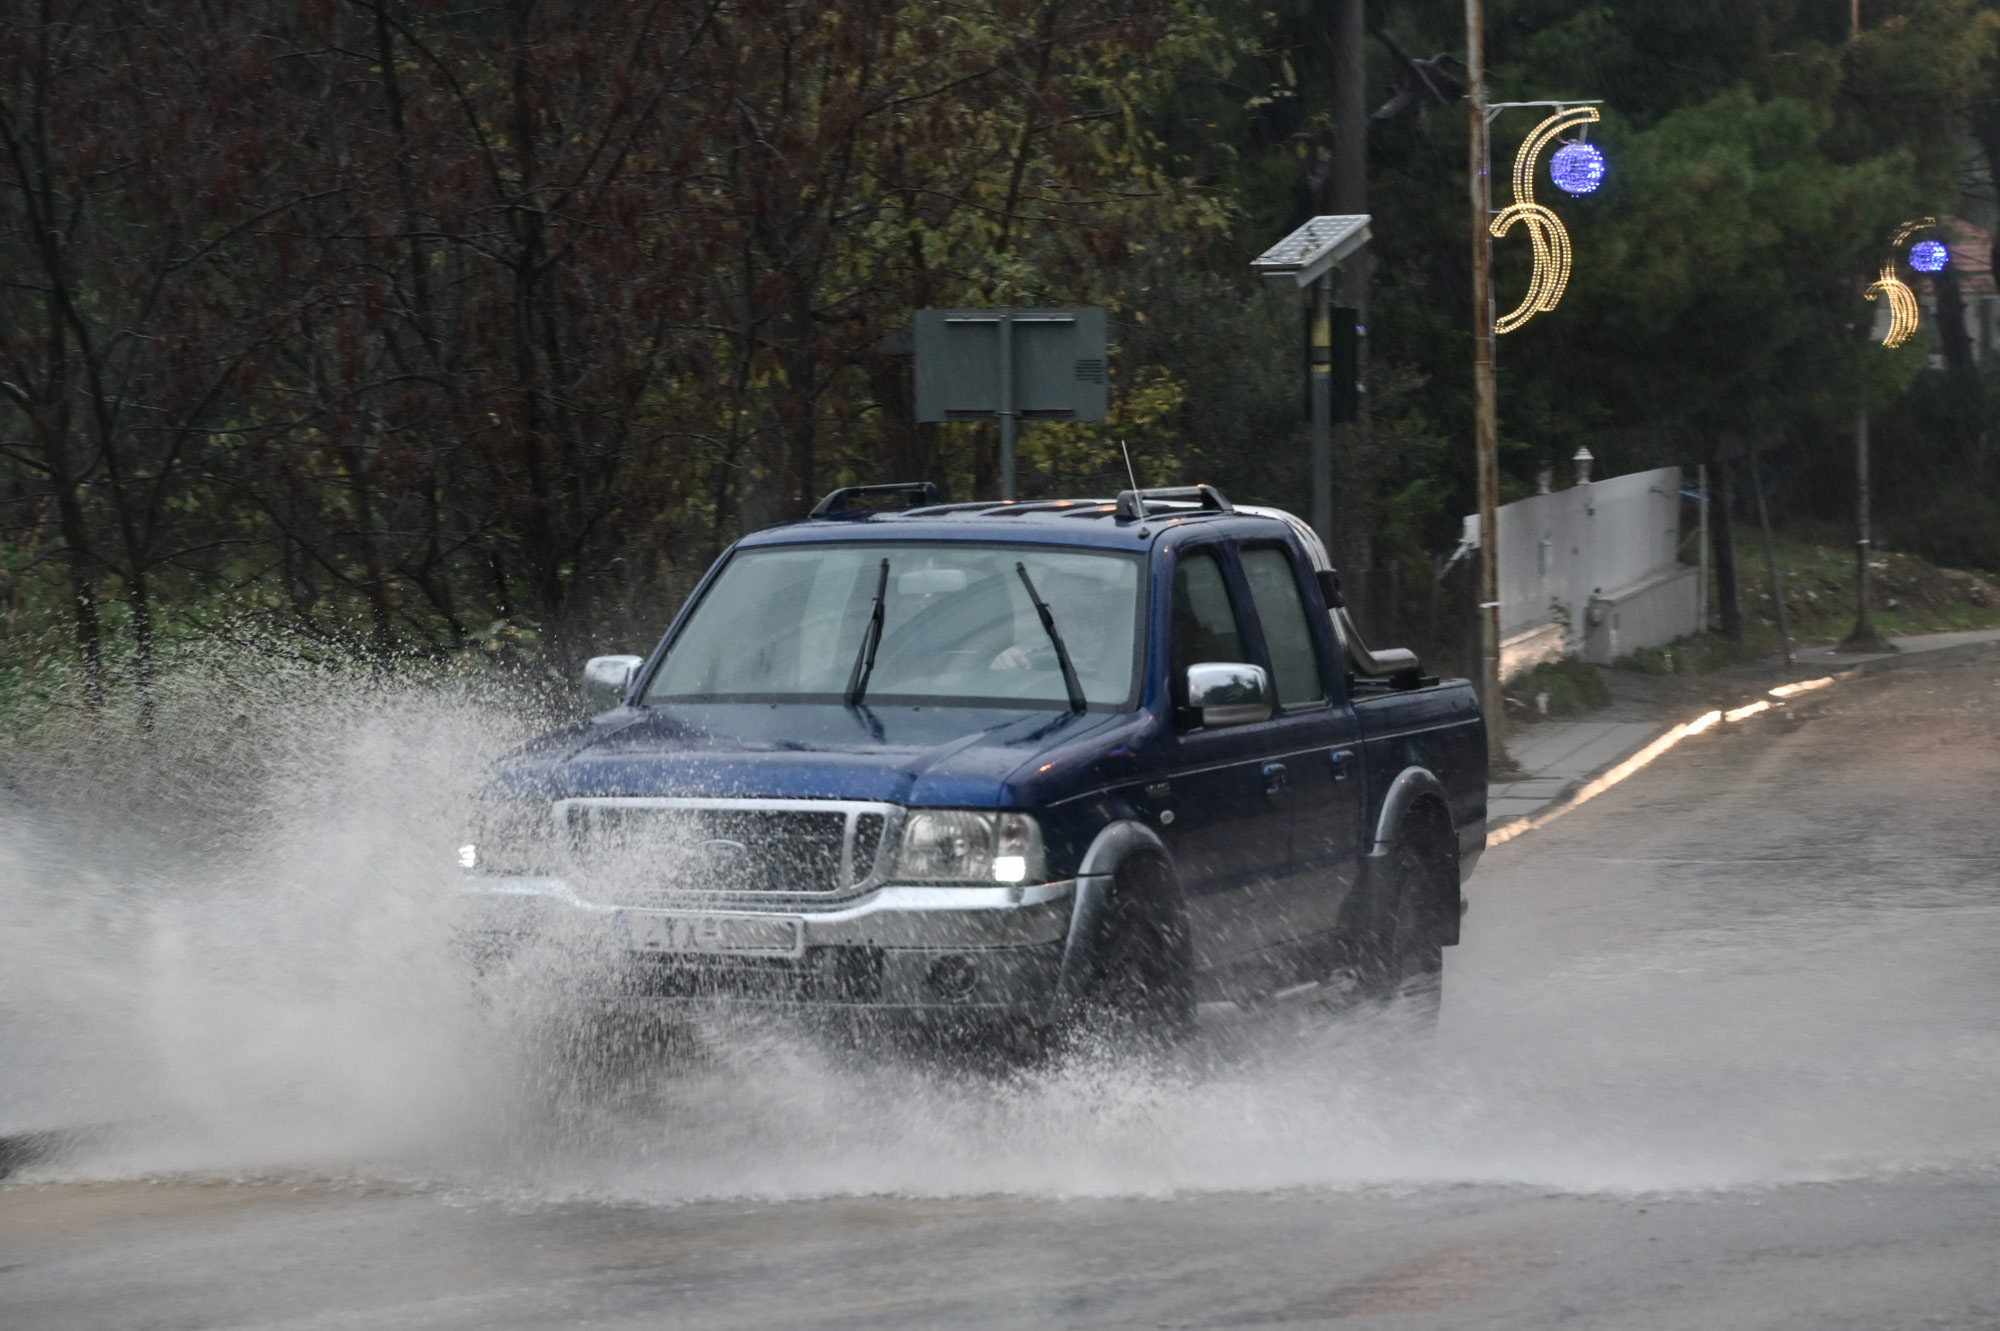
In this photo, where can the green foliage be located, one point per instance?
(500, 332)
(1695, 654)
(1575, 687)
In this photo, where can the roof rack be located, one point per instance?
(917, 494)
(1132, 503)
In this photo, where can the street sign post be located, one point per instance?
(1010, 365)
(1306, 259)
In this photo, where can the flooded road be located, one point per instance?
(1722, 1048)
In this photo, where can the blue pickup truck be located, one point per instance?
(1039, 762)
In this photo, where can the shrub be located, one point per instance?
(1574, 687)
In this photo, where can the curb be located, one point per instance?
(1589, 787)
(1956, 652)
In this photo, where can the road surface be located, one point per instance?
(1722, 1049)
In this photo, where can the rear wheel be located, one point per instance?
(1410, 948)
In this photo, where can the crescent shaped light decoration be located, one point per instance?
(1908, 229)
(1903, 309)
(1545, 229)
(1902, 306)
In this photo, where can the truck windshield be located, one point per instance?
(786, 624)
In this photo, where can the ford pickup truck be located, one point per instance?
(1026, 761)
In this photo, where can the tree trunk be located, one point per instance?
(1952, 337)
(83, 591)
(142, 643)
(1722, 534)
(379, 609)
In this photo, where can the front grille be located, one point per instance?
(636, 850)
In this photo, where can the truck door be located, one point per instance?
(1231, 828)
(1321, 753)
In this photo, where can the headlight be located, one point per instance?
(510, 837)
(969, 846)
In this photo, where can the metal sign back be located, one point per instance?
(1027, 364)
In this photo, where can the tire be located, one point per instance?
(1140, 989)
(1410, 974)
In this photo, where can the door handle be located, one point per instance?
(1274, 778)
(1343, 763)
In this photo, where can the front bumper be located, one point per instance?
(922, 950)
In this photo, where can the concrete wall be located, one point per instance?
(1594, 569)
(1655, 610)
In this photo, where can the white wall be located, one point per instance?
(1613, 545)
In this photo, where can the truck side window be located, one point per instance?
(1274, 591)
(1204, 621)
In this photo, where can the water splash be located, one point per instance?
(230, 953)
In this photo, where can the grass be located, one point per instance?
(1908, 594)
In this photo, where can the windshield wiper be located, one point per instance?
(1070, 683)
(871, 638)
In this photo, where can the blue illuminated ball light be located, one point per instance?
(1929, 256)
(1577, 168)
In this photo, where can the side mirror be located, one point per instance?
(1229, 693)
(1329, 588)
(611, 674)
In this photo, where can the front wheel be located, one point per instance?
(1140, 988)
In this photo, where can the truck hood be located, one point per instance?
(932, 756)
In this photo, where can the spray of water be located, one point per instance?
(228, 951)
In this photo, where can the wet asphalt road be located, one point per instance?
(1722, 1049)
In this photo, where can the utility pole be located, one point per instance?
(1485, 409)
(1347, 35)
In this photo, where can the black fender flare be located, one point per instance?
(1110, 849)
(1412, 786)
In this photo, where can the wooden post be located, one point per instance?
(1485, 409)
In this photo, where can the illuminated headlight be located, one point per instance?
(509, 837)
(969, 846)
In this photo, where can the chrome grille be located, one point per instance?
(640, 850)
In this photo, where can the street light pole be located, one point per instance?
(1307, 259)
(1863, 637)
(1864, 622)
(1485, 409)
(1321, 389)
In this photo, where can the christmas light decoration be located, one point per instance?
(1929, 256)
(1577, 168)
(1902, 306)
(1908, 229)
(1545, 229)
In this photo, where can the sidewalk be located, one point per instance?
(1928, 647)
(1559, 757)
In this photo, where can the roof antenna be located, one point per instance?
(1130, 475)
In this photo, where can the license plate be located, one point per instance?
(720, 935)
